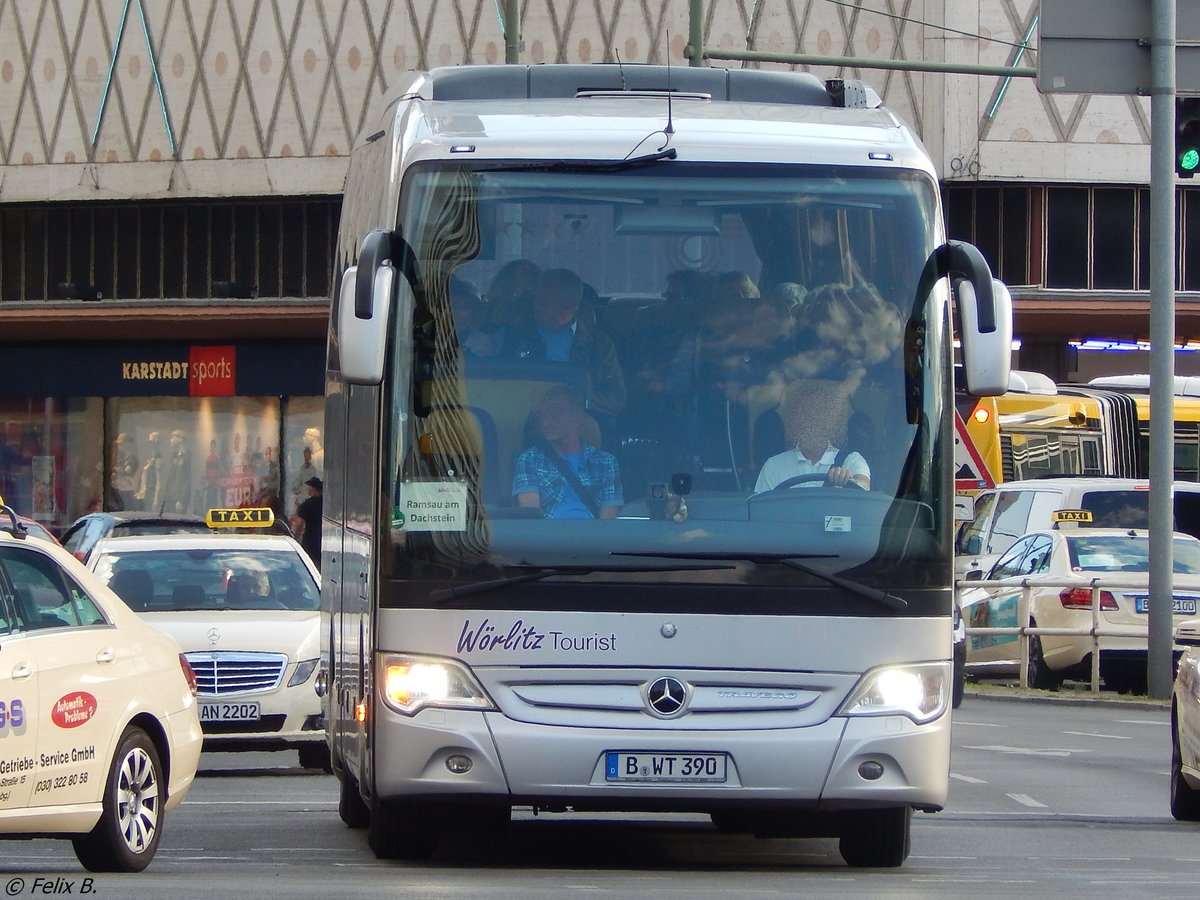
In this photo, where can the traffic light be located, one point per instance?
(1187, 136)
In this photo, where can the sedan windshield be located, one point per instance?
(177, 580)
(1121, 553)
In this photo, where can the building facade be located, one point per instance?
(170, 178)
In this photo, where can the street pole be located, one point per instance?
(512, 31)
(695, 47)
(1159, 674)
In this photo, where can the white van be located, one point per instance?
(1010, 510)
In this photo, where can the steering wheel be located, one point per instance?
(809, 479)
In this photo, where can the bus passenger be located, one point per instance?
(510, 292)
(556, 332)
(561, 474)
(815, 413)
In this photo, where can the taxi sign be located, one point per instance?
(248, 517)
(1071, 515)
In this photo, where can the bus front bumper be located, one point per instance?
(843, 762)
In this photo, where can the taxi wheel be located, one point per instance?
(315, 756)
(876, 838)
(125, 838)
(1185, 802)
(400, 830)
(1041, 676)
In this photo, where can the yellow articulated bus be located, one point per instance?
(1187, 417)
(1040, 429)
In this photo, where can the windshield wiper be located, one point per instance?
(582, 165)
(444, 595)
(793, 560)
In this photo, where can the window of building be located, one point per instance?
(1088, 237)
(240, 248)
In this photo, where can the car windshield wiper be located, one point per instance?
(444, 595)
(793, 560)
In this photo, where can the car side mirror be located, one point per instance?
(974, 575)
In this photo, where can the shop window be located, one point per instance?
(188, 455)
(304, 447)
(51, 460)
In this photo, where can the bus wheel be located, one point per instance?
(400, 830)
(876, 838)
(351, 807)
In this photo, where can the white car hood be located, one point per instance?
(295, 633)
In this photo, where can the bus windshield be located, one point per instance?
(715, 378)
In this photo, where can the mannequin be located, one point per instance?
(312, 441)
(147, 495)
(177, 486)
(126, 470)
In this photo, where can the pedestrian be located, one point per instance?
(308, 515)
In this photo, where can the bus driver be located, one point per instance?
(815, 413)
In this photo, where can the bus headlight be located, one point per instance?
(409, 684)
(921, 692)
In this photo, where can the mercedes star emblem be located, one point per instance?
(666, 696)
(214, 635)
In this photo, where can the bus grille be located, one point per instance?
(223, 674)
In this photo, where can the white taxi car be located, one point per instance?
(1060, 566)
(246, 610)
(99, 734)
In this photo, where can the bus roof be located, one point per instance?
(587, 112)
(1185, 385)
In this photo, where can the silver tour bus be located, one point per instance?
(638, 490)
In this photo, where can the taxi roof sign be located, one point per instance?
(1071, 515)
(245, 517)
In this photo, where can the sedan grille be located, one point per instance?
(221, 674)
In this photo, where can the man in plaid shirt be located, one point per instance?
(540, 481)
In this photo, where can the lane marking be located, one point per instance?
(967, 778)
(1022, 751)
(307, 804)
(1115, 737)
(1026, 800)
(978, 724)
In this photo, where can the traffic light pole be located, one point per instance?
(1159, 670)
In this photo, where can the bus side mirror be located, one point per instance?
(368, 292)
(986, 355)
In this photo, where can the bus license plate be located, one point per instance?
(689, 768)
(1181, 606)
(229, 712)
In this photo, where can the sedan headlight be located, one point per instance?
(409, 684)
(304, 668)
(921, 692)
